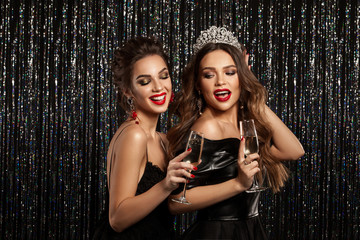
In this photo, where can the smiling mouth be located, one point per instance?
(158, 99)
(222, 95)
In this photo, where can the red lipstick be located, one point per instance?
(158, 99)
(222, 95)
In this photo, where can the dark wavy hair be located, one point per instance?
(125, 58)
(252, 101)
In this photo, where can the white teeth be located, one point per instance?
(159, 98)
(222, 92)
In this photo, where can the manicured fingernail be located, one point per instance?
(189, 149)
(192, 175)
(195, 168)
(242, 138)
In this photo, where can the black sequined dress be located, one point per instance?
(234, 218)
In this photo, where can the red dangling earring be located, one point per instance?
(134, 115)
(172, 97)
(130, 101)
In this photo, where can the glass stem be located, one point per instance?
(255, 183)
(184, 190)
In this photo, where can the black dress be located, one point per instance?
(234, 218)
(157, 225)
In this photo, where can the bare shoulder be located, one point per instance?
(129, 136)
(210, 127)
(127, 148)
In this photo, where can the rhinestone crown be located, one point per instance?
(216, 35)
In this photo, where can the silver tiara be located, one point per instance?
(216, 35)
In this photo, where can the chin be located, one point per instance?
(161, 110)
(223, 108)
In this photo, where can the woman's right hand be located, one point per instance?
(247, 167)
(247, 55)
(177, 171)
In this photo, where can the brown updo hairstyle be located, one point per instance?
(252, 101)
(124, 60)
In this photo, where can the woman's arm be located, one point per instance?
(126, 209)
(285, 144)
(204, 196)
(127, 164)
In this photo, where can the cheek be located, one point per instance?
(169, 84)
(166, 84)
(208, 96)
(235, 84)
(204, 88)
(236, 92)
(140, 93)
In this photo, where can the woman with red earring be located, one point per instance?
(139, 174)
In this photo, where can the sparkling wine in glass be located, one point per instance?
(195, 142)
(248, 131)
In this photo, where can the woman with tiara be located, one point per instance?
(140, 177)
(225, 91)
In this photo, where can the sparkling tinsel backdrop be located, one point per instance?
(58, 109)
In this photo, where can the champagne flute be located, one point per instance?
(195, 142)
(248, 131)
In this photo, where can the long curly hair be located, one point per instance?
(252, 101)
(124, 60)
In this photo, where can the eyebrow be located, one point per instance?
(144, 75)
(212, 68)
(162, 70)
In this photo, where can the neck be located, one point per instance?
(228, 116)
(148, 122)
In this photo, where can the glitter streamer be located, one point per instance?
(58, 109)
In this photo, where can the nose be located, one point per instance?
(219, 80)
(157, 85)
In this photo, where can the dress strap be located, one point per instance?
(147, 158)
(162, 143)
(112, 151)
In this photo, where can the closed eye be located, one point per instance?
(144, 81)
(164, 76)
